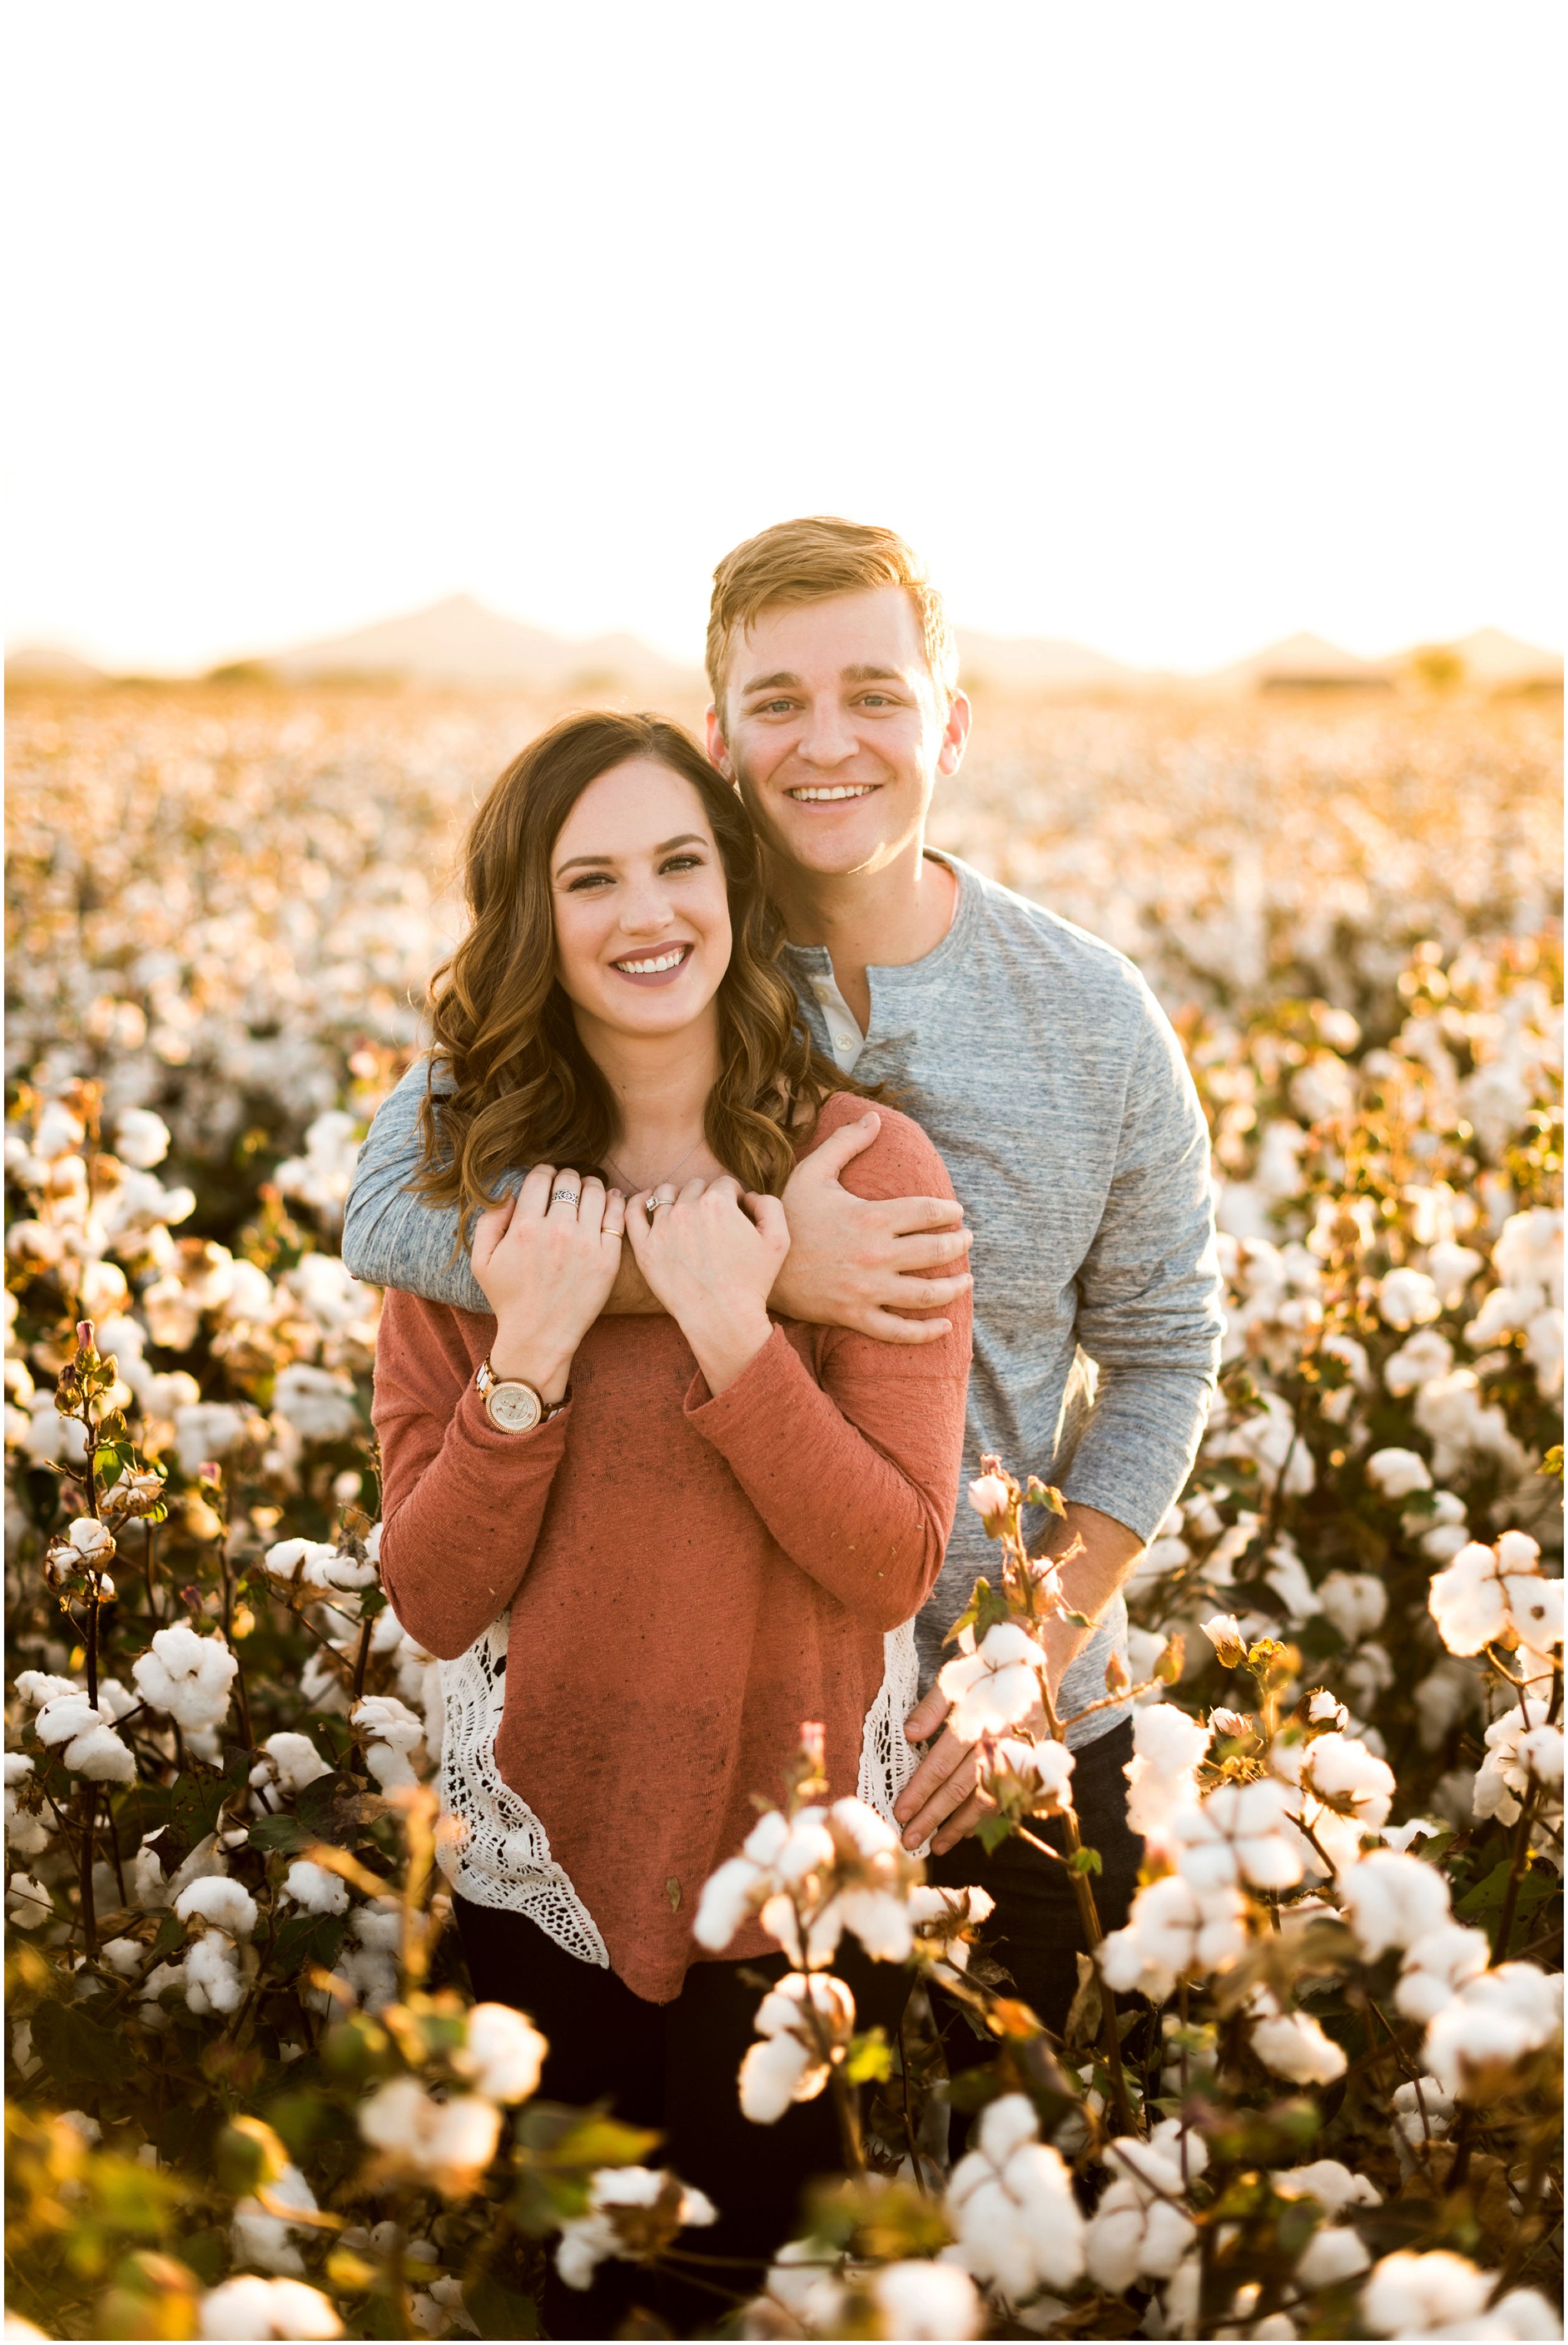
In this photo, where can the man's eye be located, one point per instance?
(878, 700)
(774, 708)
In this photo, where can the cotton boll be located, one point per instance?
(313, 1888)
(1010, 2204)
(100, 1756)
(1340, 1771)
(1292, 2045)
(1391, 1900)
(1332, 2185)
(248, 2306)
(1173, 1931)
(1436, 1966)
(291, 1761)
(260, 2236)
(212, 1977)
(1494, 2021)
(1355, 1603)
(141, 1138)
(27, 1901)
(775, 2073)
(1395, 1473)
(502, 2053)
(1330, 2256)
(187, 1676)
(1407, 1298)
(226, 1905)
(1468, 1600)
(1167, 1747)
(443, 2145)
(996, 1686)
(391, 1731)
(920, 2300)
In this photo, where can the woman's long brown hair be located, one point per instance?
(510, 1083)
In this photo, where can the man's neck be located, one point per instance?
(868, 919)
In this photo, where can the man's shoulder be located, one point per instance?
(1032, 938)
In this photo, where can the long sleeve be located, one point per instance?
(1149, 1296)
(856, 1474)
(461, 1503)
(391, 1237)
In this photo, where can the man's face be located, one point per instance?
(836, 730)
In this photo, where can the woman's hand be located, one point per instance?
(546, 1261)
(711, 1255)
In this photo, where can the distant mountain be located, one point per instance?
(1302, 662)
(1491, 658)
(459, 642)
(49, 664)
(1038, 663)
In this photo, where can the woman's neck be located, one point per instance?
(659, 1085)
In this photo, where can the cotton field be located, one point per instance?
(1310, 2090)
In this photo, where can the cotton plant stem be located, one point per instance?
(1516, 1872)
(362, 1656)
(89, 1916)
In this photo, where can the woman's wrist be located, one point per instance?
(523, 1355)
(725, 1348)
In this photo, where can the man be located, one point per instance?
(1051, 1083)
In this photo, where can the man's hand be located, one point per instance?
(856, 1262)
(941, 1797)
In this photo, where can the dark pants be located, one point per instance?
(673, 2066)
(1035, 1932)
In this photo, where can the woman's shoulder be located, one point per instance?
(900, 1162)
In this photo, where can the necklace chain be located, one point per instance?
(611, 1166)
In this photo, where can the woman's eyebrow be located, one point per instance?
(686, 838)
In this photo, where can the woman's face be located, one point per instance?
(642, 912)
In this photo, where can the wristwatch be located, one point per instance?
(512, 1405)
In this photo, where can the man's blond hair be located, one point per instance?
(808, 561)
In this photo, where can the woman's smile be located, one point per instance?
(658, 968)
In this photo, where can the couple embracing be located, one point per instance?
(672, 1432)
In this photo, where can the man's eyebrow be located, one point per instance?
(862, 674)
(686, 838)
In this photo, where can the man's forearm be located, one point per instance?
(1107, 1551)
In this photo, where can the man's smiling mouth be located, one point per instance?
(822, 793)
(657, 964)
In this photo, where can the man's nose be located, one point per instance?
(826, 738)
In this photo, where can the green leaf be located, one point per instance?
(497, 2311)
(169, 1939)
(991, 1832)
(1085, 1860)
(74, 2047)
(281, 1835)
(194, 1805)
(308, 1938)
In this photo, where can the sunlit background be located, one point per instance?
(1167, 331)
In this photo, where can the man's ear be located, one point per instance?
(956, 734)
(718, 749)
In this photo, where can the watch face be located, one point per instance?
(514, 1407)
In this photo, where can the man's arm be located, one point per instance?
(391, 1237)
(1149, 1315)
(854, 1262)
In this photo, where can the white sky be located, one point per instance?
(1169, 328)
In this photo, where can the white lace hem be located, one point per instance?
(494, 1850)
(887, 1762)
(493, 1847)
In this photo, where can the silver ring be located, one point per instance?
(653, 1204)
(568, 1197)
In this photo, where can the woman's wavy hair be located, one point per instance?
(510, 1083)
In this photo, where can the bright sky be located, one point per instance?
(1170, 329)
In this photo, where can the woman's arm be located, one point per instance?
(462, 1502)
(855, 1474)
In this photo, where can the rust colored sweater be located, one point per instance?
(690, 1575)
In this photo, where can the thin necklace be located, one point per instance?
(611, 1166)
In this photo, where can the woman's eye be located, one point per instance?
(590, 879)
(683, 863)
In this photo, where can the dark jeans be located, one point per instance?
(672, 2066)
(1035, 1932)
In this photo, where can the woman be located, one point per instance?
(646, 1547)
